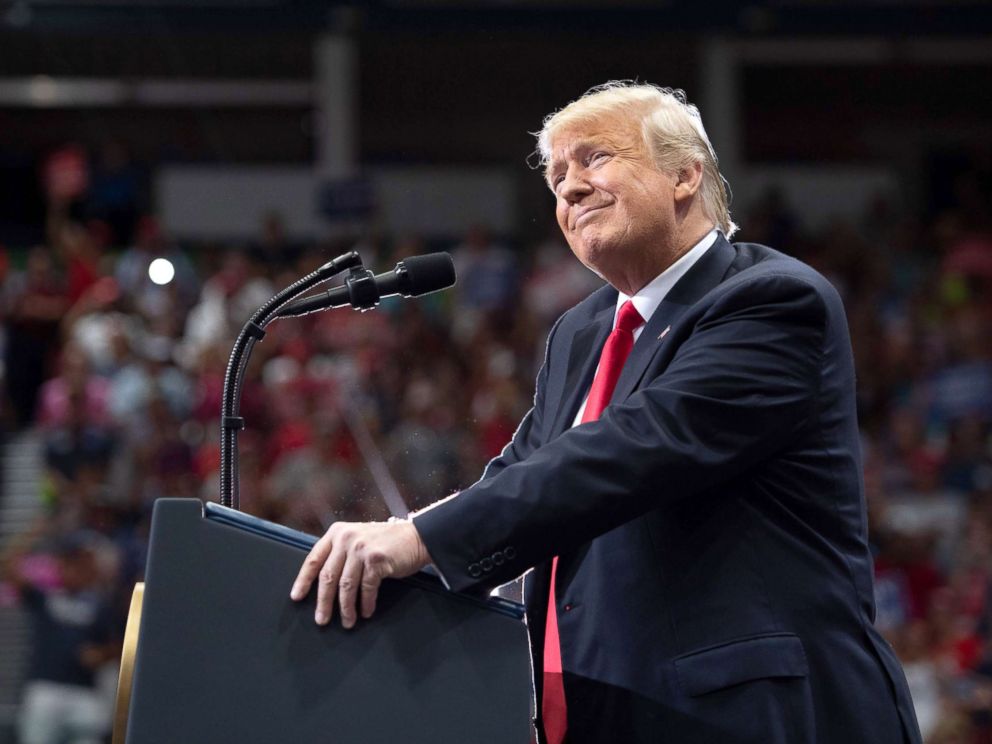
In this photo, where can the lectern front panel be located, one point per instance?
(224, 655)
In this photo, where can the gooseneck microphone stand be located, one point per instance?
(360, 281)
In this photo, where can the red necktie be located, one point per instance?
(615, 353)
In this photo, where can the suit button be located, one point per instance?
(568, 608)
(498, 558)
(474, 571)
(510, 553)
(487, 564)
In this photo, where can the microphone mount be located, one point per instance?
(413, 277)
(363, 292)
(253, 332)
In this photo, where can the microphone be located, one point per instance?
(412, 277)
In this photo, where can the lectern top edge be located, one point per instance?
(288, 536)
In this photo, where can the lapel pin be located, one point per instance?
(664, 332)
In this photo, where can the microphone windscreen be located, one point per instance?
(428, 273)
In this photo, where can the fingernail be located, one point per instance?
(294, 594)
(347, 624)
(321, 618)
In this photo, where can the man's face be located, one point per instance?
(615, 208)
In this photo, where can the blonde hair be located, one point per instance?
(670, 126)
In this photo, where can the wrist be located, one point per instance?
(421, 556)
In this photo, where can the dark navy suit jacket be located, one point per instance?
(715, 582)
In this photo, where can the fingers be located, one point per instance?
(327, 583)
(349, 563)
(351, 576)
(311, 567)
(362, 572)
(371, 580)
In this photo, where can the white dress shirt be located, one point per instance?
(649, 297)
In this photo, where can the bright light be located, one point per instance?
(161, 271)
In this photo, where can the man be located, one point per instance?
(73, 638)
(691, 459)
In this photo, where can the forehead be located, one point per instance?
(615, 130)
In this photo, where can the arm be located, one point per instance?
(739, 389)
(350, 561)
(105, 642)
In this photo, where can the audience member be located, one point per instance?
(75, 633)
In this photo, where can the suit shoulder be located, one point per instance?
(761, 277)
(757, 264)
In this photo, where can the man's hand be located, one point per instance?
(353, 558)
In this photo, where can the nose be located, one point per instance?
(574, 186)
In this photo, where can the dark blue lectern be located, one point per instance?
(224, 656)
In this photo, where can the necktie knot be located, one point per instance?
(628, 318)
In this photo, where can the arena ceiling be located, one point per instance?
(763, 17)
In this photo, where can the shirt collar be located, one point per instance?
(650, 296)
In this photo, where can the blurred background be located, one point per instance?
(167, 165)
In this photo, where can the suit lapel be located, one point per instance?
(587, 343)
(705, 274)
(583, 355)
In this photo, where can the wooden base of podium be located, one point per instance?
(123, 705)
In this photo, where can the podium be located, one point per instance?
(217, 652)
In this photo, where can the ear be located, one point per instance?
(688, 181)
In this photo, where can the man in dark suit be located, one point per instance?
(687, 485)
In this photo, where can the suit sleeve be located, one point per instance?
(525, 440)
(739, 389)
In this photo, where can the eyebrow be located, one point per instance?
(579, 146)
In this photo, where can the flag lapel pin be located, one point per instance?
(664, 332)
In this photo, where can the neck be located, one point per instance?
(639, 276)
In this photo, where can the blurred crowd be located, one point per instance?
(121, 374)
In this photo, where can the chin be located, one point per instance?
(593, 250)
